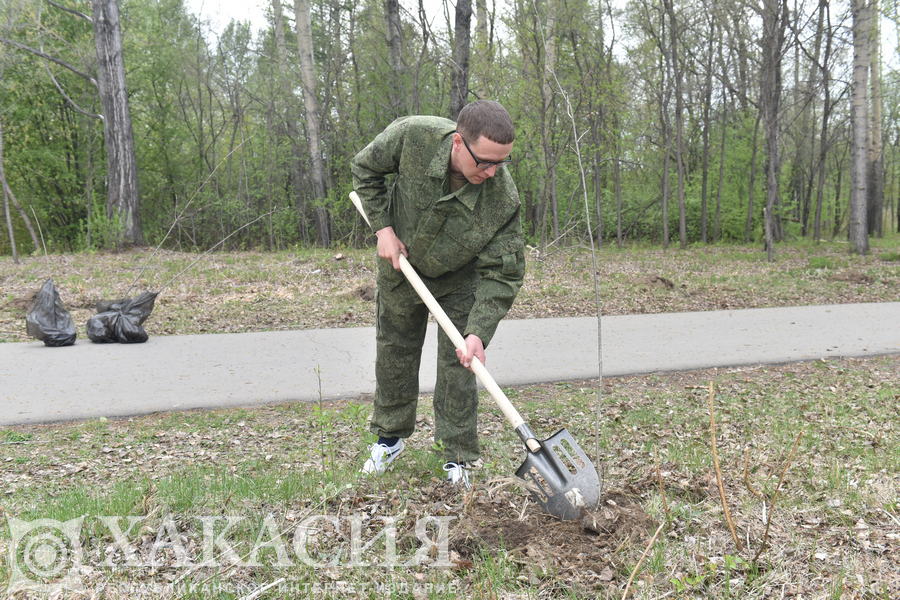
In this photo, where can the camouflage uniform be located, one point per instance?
(468, 248)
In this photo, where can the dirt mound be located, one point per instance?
(586, 552)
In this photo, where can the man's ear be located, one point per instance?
(456, 145)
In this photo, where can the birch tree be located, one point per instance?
(678, 77)
(875, 149)
(862, 28)
(772, 42)
(290, 115)
(313, 122)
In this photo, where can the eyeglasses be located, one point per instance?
(482, 163)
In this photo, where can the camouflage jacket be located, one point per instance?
(452, 238)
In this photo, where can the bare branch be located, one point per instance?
(71, 11)
(66, 96)
(715, 457)
(787, 465)
(641, 559)
(61, 63)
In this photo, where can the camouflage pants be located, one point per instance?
(400, 333)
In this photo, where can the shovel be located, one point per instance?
(561, 477)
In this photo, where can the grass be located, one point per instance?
(312, 288)
(834, 517)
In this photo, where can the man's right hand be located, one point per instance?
(390, 247)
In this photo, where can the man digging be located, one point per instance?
(453, 210)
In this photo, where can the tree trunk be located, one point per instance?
(751, 190)
(838, 188)
(717, 221)
(459, 88)
(805, 164)
(290, 122)
(665, 184)
(679, 121)
(121, 177)
(313, 123)
(743, 58)
(707, 102)
(597, 180)
(666, 136)
(617, 184)
(858, 231)
(548, 117)
(875, 156)
(396, 93)
(6, 214)
(481, 24)
(7, 192)
(775, 19)
(826, 117)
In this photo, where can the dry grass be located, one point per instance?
(250, 291)
(834, 531)
(819, 519)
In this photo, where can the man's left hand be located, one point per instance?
(474, 347)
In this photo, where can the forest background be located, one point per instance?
(679, 121)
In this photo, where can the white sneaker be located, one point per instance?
(381, 456)
(457, 473)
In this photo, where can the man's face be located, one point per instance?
(466, 153)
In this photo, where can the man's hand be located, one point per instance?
(474, 347)
(390, 247)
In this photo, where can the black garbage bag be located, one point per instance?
(48, 320)
(121, 320)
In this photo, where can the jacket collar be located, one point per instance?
(468, 195)
(441, 161)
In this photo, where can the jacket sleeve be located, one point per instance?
(501, 270)
(371, 166)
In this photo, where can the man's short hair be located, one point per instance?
(486, 118)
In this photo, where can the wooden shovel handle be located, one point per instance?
(509, 411)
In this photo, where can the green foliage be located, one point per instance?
(97, 231)
(219, 126)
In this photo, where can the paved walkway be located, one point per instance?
(40, 384)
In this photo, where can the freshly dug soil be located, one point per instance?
(587, 552)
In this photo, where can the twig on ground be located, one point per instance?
(892, 517)
(715, 457)
(622, 544)
(637, 567)
(223, 571)
(787, 464)
(257, 593)
(662, 492)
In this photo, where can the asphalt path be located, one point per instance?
(40, 384)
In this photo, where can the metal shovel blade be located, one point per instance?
(562, 479)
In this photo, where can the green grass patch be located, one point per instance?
(14, 437)
(279, 465)
(821, 262)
